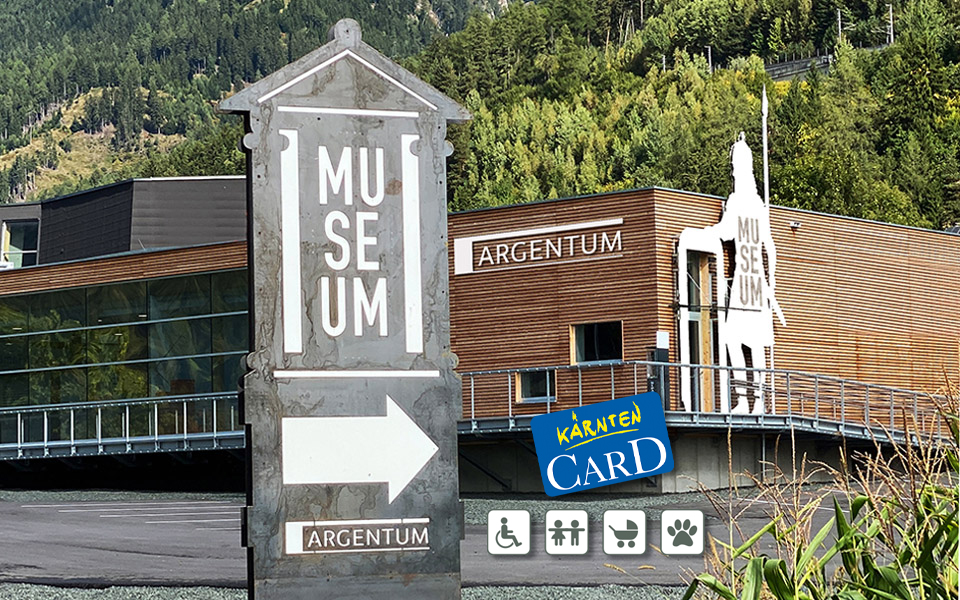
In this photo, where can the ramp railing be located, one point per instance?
(504, 400)
(199, 421)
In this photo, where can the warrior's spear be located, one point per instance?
(766, 198)
(766, 169)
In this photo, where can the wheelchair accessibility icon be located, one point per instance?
(508, 532)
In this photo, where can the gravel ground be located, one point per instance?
(22, 591)
(604, 592)
(476, 509)
(607, 592)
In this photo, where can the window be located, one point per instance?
(117, 303)
(14, 391)
(229, 291)
(14, 314)
(229, 335)
(596, 342)
(537, 386)
(19, 243)
(179, 297)
(58, 386)
(57, 310)
(180, 377)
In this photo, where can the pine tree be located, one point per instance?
(129, 108)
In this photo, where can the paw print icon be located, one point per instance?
(681, 532)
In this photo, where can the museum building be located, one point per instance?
(135, 302)
(123, 325)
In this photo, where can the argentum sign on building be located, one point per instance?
(551, 245)
(351, 400)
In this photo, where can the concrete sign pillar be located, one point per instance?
(350, 402)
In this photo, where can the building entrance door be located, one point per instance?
(702, 328)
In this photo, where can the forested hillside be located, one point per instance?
(51, 51)
(155, 66)
(558, 110)
(567, 97)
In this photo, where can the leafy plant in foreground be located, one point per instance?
(897, 539)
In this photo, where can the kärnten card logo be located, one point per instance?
(601, 444)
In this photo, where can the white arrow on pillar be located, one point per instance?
(330, 450)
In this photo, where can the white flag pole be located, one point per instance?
(764, 109)
(766, 168)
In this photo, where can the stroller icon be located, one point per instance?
(626, 535)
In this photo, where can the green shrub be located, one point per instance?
(897, 540)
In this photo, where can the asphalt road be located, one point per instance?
(122, 543)
(190, 542)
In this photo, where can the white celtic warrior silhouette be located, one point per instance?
(745, 321)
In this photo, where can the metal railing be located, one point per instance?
(199, 421)
(789, 65)
(763, 399)
(790, 68)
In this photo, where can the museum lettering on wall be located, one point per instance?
(750, 262)
(560, 244)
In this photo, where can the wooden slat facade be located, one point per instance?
(126, 267)
(521, 317)
(863, 300)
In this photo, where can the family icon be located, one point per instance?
(559, 532)
(566, 532)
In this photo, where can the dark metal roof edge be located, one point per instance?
(584, 197)
(122, 254)
(666, 189)
(105, 186)
(862, 220)
(31, 203)
(190, 178)
(132, 181)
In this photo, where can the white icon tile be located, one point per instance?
(624, 532)
(567, 532)
(508, 532)
(681, 532)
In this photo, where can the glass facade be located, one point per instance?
(174, 337)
